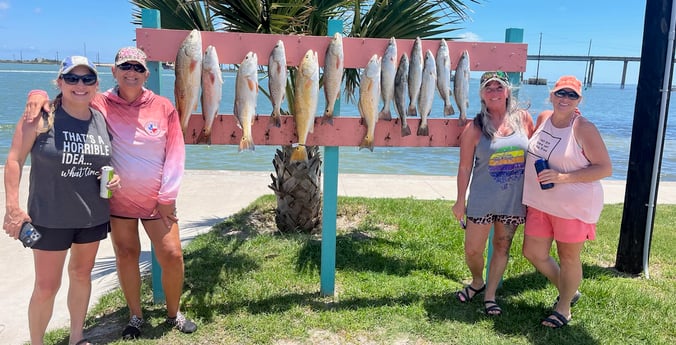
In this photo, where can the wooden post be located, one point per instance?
(151, 19)
(330, 197)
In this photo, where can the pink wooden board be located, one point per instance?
(345, 131)
(162, 45)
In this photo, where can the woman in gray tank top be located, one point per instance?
(492, 155)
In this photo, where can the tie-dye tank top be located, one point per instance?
(497, 176)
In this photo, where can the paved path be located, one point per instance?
(207, 198)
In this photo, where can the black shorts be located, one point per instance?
(62, 239)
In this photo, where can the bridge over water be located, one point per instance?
(591, 59)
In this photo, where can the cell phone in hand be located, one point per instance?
(29, 235)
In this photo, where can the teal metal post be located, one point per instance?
(511, 36)
(151, 19)
(330, 206)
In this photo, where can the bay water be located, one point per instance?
(608, 106)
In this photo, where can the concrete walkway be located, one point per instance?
(207, 198)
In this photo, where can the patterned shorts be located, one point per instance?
(492, 218)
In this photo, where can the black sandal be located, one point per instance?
(463, 295)
(491, 308)
(556, 319)
(83, 341)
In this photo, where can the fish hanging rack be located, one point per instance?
(162, 44)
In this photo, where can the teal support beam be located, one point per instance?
(511, 36)
(330, 205)
(151, 19)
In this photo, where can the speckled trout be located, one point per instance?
(333, 75)
(461, 87)
(415, 76)
(400, 92)
(444, 77)
(212, 90)
(277, 82)
(388, 70)
(427, 90)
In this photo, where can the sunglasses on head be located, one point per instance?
(563, 93)
(127, 66)
(73, 79)
(495, 74)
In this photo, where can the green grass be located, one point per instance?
(398, 263)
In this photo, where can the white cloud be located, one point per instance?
(4, 5)
(469, 37)
(37, 10)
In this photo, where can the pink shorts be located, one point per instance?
(541, 224)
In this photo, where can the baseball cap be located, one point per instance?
(498, 76)
(127, 54)
(71, 62)
(568, 82)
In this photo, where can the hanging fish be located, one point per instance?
(333, 75)
(444, 77)
(415, 76)
(461, 87)
(212, 90)
(277, 82)
(388, 70)
(246, 92)
(400, 92)
(369, 95)
(305, 102)
(188, 71)
(427, 90)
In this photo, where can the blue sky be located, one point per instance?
(45, 28)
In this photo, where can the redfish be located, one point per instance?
(246, 92)
(188, 71)
(369, 95)
(305, 102)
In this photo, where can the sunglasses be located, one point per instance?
(563, 93)
(495, 75)
(127, 66)
(73, 79)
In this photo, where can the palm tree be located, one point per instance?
(297, 184)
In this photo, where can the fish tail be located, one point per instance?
(246, 144)
(275, 119)
(448, 109)
(299, 154)
(423, 130)
(204, 136)
(328, 116)
(385, 114)
(405, 130)
(367, 143)
(462, 120)
(411, 110)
